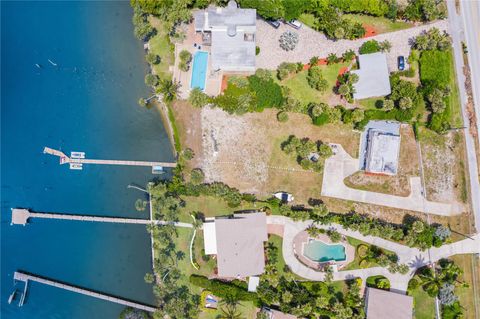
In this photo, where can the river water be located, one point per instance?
(88, 102)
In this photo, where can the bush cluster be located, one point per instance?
(225, 289)
(309, 154)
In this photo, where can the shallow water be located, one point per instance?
(88, 102)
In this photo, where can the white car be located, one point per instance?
(294, 23)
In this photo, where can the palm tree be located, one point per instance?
(169, 89)
(430, 283)
(229, 312)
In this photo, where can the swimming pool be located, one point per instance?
(320, 252)
(199, 70)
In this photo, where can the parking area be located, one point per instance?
(313, 43)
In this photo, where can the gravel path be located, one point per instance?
(313, 43)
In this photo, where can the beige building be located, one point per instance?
(382, 304)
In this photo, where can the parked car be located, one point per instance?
(294, 23)
(274, 23)
(401, 63)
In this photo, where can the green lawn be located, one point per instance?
(438, 67)
(160, 44)
(370, 103)
(211, 206)
(303, 92)
(381, 24)
(423, 304)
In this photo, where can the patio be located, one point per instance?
(302, 238)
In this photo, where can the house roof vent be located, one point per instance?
(232, 30)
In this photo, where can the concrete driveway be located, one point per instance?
(341, 165)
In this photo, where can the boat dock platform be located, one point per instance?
(20, 216)
(20, 276)
(76, 163)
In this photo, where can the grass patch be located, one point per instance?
(176, 137)
(302, 91)
(160, 45)
(280, 265)
(381, 24)
(466, 295)
(423, 304)
(373, 103)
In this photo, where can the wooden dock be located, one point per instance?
(64, 159)
(20, 276)
(21, 216)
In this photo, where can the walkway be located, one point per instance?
(20, 276)
(313, 43)
(21, 216)
(341, 165)
(64, 159)
(413, 257)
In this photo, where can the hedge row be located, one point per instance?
(224, 289)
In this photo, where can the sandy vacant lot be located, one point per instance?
(244, 151)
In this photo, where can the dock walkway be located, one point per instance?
(20, 276)
(64, 159)
(21, 216)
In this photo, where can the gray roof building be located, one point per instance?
(373, 76)
(381, 304)
(382, 152)
(232, 32)
(240, 251)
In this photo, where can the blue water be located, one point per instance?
(87, 103)
(199, 70)
(319, 251)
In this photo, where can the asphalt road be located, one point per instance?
(456, 26)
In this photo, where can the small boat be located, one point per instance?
(38, 65)
(157, 170)
(52, 63)
(78, 166)
(284, 197)
(12, 296)
(77, 154)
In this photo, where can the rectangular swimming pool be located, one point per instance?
(199, 70)
(320, 252)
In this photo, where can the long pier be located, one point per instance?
(64, 159)
(21, 216)
(20, 276)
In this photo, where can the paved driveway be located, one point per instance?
(341, 165)
(313, 43)
(413, 257)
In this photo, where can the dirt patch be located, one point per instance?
(244, 151)
(370, 31)
(444, 166)
(399, 184)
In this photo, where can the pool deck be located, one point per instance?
(302, 238)
(213, 79)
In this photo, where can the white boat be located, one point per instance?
(76, 166)
(157, 170)
(284, 197)
(12, 296)
(77, 154)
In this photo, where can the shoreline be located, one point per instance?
(162, 108)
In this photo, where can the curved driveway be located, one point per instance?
(413, 257)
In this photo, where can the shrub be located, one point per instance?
(332, 59)
(316, 109)
(334, 236)
(198, 98)
(388, 105)
(431, 40)
(425, 10)
(224, 289)
(358, 115)
(285, 69)
(314, 60)
(370, 46)
(188, 154)
(197, 176)
(267, 92)
(257, 50)
(185, 56)
(151, 79)
(385, 46)
(236, 100)
(282, 116)
(152, 58)
(348, 55)
(316, 80)
(288, 40)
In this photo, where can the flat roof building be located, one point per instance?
(231, 32)
(239, 244)
(381, 304)
(382, 152)
(373, 76)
